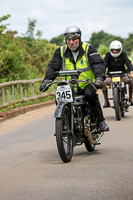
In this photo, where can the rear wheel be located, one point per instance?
(122, 112)
(64, 138)
(89, 146)
(117, 105)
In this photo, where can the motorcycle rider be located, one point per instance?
(115, 60)
(78, 55)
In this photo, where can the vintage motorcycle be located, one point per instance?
(74, 121)
(119, 92)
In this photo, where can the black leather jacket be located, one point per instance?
(118, 63)
(95, 61)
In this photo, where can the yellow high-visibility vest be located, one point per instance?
(82, 64)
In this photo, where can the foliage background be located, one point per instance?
(23, 57)
(27, 57)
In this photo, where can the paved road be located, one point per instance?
(30, 168)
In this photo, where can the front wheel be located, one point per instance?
(64, 137)
(117, 105)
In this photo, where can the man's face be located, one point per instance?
(115, 51)
(73, 43)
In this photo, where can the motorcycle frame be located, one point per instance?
(60, 105)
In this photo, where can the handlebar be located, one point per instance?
(72, 82)
(116, 73)
(68, 73)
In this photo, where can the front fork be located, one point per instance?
(58, 113)
(72, 117)
(117, 85)
(122, 91)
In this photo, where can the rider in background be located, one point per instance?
(115, 60)
(79, 55)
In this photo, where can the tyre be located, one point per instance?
(117, 105)
(64, 138)
(123, 103)
(122, 111)
(89, 146)
(122, 114)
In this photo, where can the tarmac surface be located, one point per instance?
(31, 169)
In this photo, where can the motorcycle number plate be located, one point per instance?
(116, 79)
(64, 94)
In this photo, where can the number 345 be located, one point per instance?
(64, 95)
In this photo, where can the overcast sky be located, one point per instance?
(53, 16)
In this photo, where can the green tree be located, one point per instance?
(103, 49)
(23, 57)
(3, 27)
(103, 38)
(58, 40)
(96, 38)
(31, 28)
(128, 44)
(11, 57)
(39, 34)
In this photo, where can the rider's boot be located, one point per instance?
(97, 111)
(130, 97)
(106, 103)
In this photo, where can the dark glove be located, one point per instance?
(43, 86)
(99, 83)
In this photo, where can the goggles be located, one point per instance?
(72, 35)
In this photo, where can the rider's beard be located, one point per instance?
(73, 47)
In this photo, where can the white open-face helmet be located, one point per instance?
(115, 45)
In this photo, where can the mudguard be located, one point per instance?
(58, 110)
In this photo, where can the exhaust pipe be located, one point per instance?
(88, 133)
(98, 137)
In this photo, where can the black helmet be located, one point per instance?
(72, 32)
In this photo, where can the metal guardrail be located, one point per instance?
(9, 95)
